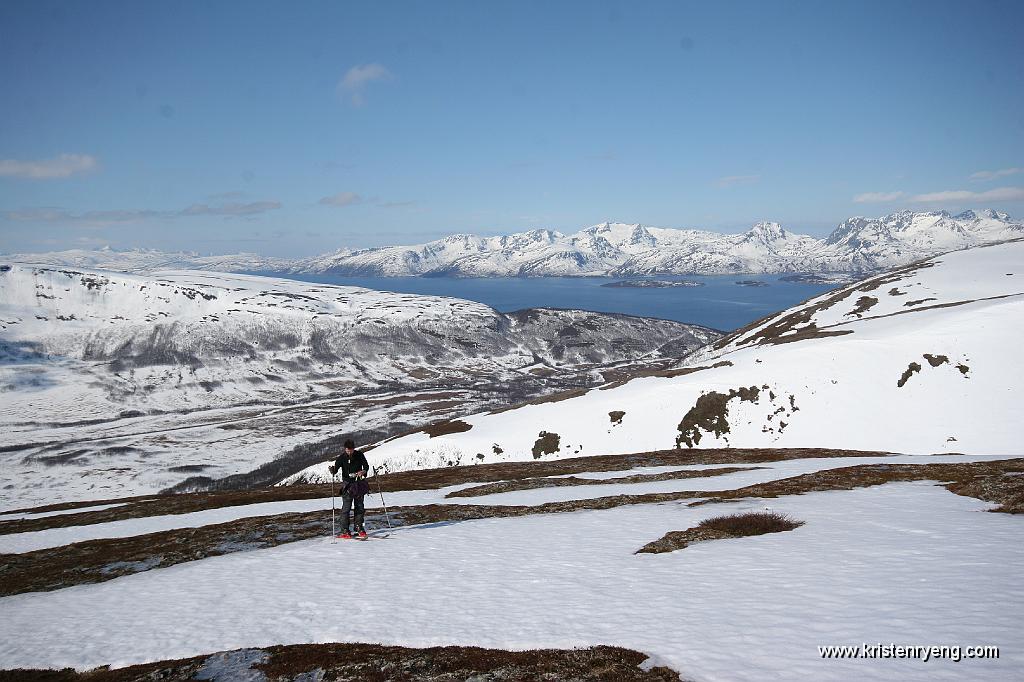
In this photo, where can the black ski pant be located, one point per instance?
(346, 505)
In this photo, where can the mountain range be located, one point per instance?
(861, 245)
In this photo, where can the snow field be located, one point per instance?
(903, 563)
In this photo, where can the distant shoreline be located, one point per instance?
(653, 283)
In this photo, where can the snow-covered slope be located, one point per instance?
(614, 249)
(133, 383)
(922, 359)
(151, 260)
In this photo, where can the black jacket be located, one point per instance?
(346, 467)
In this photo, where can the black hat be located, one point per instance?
(350, 444)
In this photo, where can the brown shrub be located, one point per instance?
(750, 523)
(721, 528)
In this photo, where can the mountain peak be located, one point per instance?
(767, 232)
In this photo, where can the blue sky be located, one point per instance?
(296, 128)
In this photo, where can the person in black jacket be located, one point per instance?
(353, 468)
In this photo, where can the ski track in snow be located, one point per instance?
(907, 563)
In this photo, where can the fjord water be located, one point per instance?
(720, 304)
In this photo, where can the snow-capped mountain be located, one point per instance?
(922, 359)
(152, 379)
(899, 238)
(618, 249)
(766, 247)
(609, 249)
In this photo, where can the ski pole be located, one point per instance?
(381, 491)
(334, 529)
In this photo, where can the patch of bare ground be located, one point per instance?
(710, 414)
(864, 304)
(911, 369)
(534, 483)
(721, 528)
(1001, 481)
(935, 360)
(420, 479)
(547, 444)
(665, 373)
(378, 663)
(446, 427)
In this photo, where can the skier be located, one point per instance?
(353, 467)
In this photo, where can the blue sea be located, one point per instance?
(720, 304)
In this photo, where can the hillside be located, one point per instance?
(127, 384)
(919, 360)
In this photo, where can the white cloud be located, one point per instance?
(966, 196)
(342, 199)
(63, 166)
(734, 180)
(94, 218)
(231, 209)
(121, 216)
(358, 77)
(876, 197)
(992, 175)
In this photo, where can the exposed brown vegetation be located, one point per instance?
(710, 414)
(665, 373)
(998, 481)
(420, 479)
(616, 416)
(750, 523)
(911, 369)
(721, 528)
(936, 360)
(446, 427)
(864, 304)
(379, 663)
(566, 481)
(547, 444)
